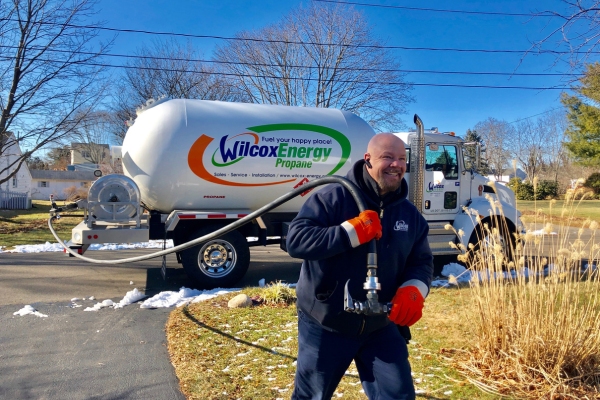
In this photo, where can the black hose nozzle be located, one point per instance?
(55, 209)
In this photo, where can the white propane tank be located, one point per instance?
(212, 155)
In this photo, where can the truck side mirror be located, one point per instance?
(476, 164)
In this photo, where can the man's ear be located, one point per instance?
(368, 162)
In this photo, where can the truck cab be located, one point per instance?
(452, 192)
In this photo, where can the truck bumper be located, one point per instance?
(108, 233)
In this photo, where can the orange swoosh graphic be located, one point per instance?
(197, 167)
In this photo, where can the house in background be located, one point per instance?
(59, 183)
(507, 175)
(94, 157)
(28, 184)
(89, 153)
(14, 193)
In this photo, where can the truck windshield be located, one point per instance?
(442, 158)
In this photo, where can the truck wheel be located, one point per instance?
(220, 262)
(481, 240)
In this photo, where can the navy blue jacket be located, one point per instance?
(315, 236)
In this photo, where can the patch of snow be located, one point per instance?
(56, 247)
(29, 310)
(99, 306)
(184, 296)
(131, 297)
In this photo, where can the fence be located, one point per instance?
(13, 200)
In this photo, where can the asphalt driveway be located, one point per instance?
(108, 354)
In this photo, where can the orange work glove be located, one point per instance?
(407, 306)
(363, 228)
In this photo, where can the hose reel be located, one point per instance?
(114, 198)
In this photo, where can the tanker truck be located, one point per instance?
(192, 167)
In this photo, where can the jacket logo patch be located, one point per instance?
(401, 226)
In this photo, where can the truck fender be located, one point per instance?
(467, 224)
(482, 207)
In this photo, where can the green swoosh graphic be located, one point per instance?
(332, 133)
(216, 164)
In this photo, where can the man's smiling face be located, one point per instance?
(387, 155)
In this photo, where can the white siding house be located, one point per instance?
(507, 175)
(46, 183)
(20, 183)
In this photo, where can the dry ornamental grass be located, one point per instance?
(537, 319)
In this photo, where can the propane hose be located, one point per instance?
(370, 306)
(350, 186)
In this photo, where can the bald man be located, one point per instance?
(330, 234)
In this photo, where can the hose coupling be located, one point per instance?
(371, 306)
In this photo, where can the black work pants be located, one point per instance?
(381, 359)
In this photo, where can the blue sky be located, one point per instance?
(449, 108)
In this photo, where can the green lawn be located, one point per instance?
(20, 227)
(577, 211)
(250, 353)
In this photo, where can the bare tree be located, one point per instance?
(122, 110)
(168, 68)
(165, 68)
(496, 136)
(270, 71)
(577, 33)
(47, 82)
(58, 158)
(560, 165)
(319, 56)
(555, 153)
(538, 145)
(93, 137)
(37, 162)
(527, 146)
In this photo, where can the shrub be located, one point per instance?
(526, 191)
(74, 193)
(514, 183)
(523, 190)
(593, 182)
(546, 190)
(278, 293)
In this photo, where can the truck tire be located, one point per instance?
(481, 242)
(220, 262)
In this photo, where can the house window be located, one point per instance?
(85, 154)
(43, 184)
(14, 182)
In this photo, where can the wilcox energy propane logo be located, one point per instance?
(274, 146)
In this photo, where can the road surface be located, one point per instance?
(108, 354)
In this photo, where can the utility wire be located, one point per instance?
(535, 115)
(545, 14)
(194, 60)
(363, 46)
(94, 64)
